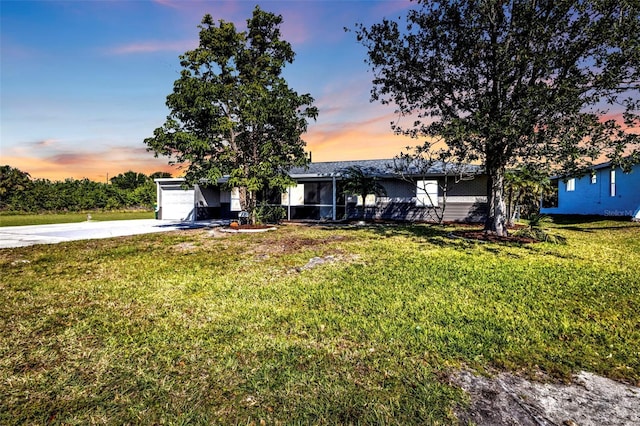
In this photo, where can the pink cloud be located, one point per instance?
(230, 11)
(92, 165)
(293, 28)
(384, 8)
(44, 143)
(154, 46)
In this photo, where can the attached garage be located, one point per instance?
(177, 203)
(174, 202)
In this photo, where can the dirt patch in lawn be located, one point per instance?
(506, 399)
(295, 244)
(488, 237)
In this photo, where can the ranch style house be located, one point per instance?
(319, 195)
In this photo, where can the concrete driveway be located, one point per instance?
(20, 236)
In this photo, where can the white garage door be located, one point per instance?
(177, 203)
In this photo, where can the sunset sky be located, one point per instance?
(83, 83)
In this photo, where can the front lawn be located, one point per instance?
(322, 325)
(12, 219)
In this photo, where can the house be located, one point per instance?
(318, 195)
(606, 191)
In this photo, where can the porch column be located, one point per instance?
(195, 203)
(334, 198)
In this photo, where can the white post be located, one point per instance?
(158, 200)
(334, 199)
(195, 203)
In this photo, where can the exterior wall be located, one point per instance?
(174, 202)
(466, 202)
(177, 203)
(595, 198)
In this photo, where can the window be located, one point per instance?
(369, 201)
(571, 184)
(294, 196)
(427, 193)
(235, 200)
(594, 178)
(612, 189)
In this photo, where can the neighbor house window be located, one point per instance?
(612, 190)
(571, 184)
(594, 178)
(427, 193)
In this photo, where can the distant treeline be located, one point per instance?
(20, 193)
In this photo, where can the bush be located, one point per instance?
(536, 230)
(266, 213)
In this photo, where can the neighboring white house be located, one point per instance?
(318, 195)
(606, 191)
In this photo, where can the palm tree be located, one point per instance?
(362, 181)
(524, 187)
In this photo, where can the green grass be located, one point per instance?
(188, 328)
(9, 219)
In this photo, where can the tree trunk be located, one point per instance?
(248, 203)
(252, 204)
(496, 216)
(510, 207)
(242, 193)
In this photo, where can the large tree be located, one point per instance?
(129, 180)
(514, 83)
(231, 111)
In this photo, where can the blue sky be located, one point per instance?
(84, 82)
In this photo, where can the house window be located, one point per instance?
(369, 201)
(427, 193)
(235, 200)
(571, 184)
(294, 196)
(594, 178)
(612, 189)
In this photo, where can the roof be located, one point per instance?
(381, 168)
(599, 166)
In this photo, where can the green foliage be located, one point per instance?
(513, 84)
(12, 182)
(185, 328)
(231, 111)
(129, 180)
(361, 181)
(525, 187)
(537, 230)
(266, 213)
(128, 190)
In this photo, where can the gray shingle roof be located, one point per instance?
(376, 167)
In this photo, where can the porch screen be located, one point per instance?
(427, 193)
(294, 196)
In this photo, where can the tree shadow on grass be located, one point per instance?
(439, 235)
(585, 223)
